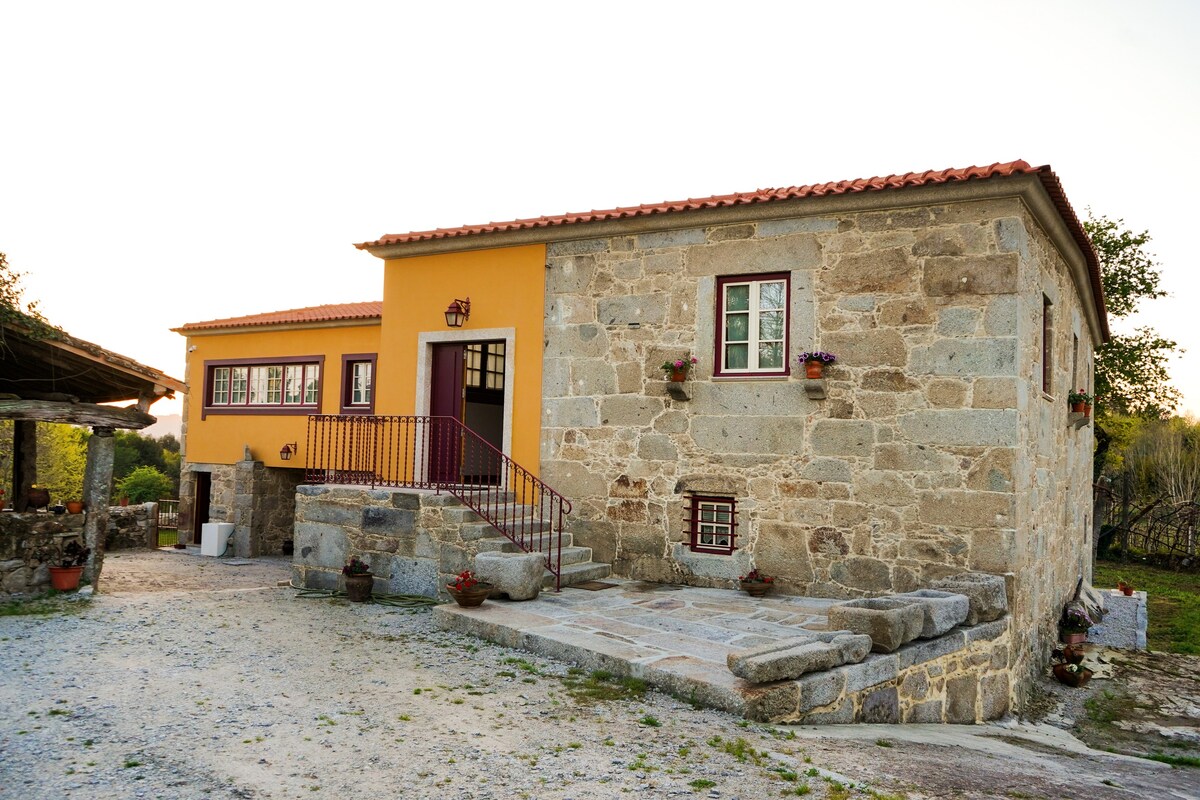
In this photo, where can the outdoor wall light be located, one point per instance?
(457, 313)
(286, 451)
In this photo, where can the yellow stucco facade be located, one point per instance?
(220, 438)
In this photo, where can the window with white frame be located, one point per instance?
(262, 386)
(712, 523)
(752, 325)
(358, 383)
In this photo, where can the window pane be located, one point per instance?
(221, 386)
(292, 382)
(770, 326)
(770, 355)
(237, 392)
(312, 376)
(737, 328)
(735, 356)
(274, 384)
(770, 295)
(737, 297)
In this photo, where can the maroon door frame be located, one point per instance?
(203, 500)
(446, 399)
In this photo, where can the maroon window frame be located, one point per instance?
(348, 362)
(719, 326)
(274, 409)
(695, 521)
(1047, 345)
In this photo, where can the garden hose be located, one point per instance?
(397, 600)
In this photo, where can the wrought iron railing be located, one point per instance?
(440, 453)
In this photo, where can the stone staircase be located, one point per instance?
(577, 564)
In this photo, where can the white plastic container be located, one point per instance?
(213, 536)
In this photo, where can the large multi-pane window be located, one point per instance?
(485, 366)
(752, 324)
(264, 385)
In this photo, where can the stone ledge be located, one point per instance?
(815, 388)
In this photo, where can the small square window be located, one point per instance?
(712, 522)
(358, 383)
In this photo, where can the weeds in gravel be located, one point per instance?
(51, 602)
(740, 749)
(602, 686)
(702, 783)
(650, 722)
(1174, 761)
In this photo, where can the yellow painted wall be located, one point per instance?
(219, 439)
(506, 287)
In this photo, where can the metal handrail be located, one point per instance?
(440, 453)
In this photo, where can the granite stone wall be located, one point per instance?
(924, 457)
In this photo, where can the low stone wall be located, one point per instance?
(413, 540)
(960, 677)
(29, 544)
(131, 527)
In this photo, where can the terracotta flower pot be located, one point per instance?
(1077, 678)
(64, 579)
(74, 507)
(470, 598)
(814, 369)
(1077, 408)
(757, 588)
(1072, 637)
(678, 375)
(358, 587)
(1127, 591)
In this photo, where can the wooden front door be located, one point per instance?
(446, 400)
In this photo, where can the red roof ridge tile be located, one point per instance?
(325, 313)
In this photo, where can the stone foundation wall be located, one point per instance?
(263, 507)
(131, 527)
(961, 677)
(413, 540)
(29, 544)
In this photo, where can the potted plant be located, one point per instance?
(677, 370)
(1080, 401)
(756, 584)
(1126, 588)
(1074, 625)
(66, 576)
(74, 506)
(359, 580)
(37, 497)
(467, 591)
(1072, 674)
(814, 363)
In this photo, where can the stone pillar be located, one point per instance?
(24, 462)
(248, 517)
(97, 478)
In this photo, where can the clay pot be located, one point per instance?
(813, 370)
(470, 598)
(1077, 408)
(1076, 679)
(358, 587)
(756, 588)
(74, 507)
(38, 498)
(65, 579)
(678, 375)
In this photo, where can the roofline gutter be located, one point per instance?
(220, 330)
(1039, 190)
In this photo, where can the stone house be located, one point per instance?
(962, 306)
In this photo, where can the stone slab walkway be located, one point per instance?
(674, 637)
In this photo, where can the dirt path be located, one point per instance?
(219, 684)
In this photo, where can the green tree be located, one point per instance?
(145, 484)
(13, 309)
(1131, 369)
(132, 450)
(61, 458)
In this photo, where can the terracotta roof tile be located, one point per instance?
(911, 179)
(329, 313)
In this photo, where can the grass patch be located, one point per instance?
(601, 686)
(1174, 761)
(1173, 598)
(702, 783)
(52, 602)
(167, 537)
(739, 748)
(650, 722)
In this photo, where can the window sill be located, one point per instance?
(733, 378)
(259, 410)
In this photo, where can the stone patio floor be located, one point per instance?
(675, 638)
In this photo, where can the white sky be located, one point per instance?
(163, 163)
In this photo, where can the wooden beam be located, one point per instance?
(75, 413)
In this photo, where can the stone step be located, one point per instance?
(462, 514)
(578, 573)
(493, 540)
(471, 531)
(570, 554)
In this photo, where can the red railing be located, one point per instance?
(440, 453)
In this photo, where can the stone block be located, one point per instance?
(923, 651)
(795, 252)
(882, 347)
(881, 706)
(943, 610)
(988, 600)
(820, 689)
(781, 227)
(792, 658)
(678, 238)
(647, 308)
(877, 271)
(768, 703)
(876, 669)
(966, 357)
(994, 696)
(743, 434)
(826, 469)
(861, 572)
(975, 275)
(518, 575)
(966, 509)
(570, 412)
(889, 622)
(377, 519)
(843, 437)
(929, 711)
(624, 411)
(960, 700)
(842, 714)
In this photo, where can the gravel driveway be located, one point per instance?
(193, 679)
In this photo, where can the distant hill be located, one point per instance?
(167, 423)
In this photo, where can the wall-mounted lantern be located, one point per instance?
(457, 313)
(287, 450)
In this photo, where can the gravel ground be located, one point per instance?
(234, 688)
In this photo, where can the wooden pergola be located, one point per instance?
(50, 376)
